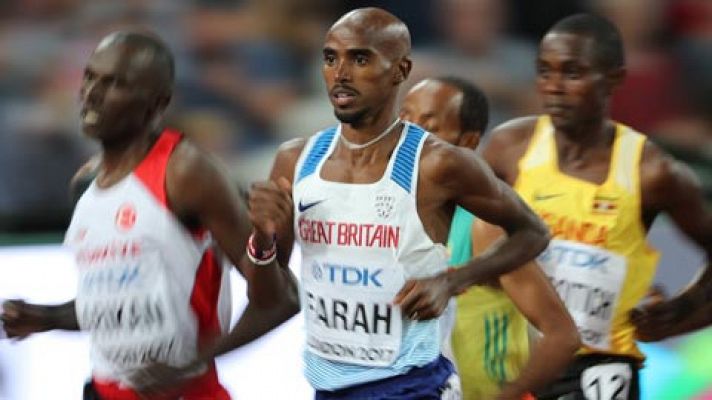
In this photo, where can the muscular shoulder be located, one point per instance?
(662, 178)
(515, 130)
(188, 161)
(286, 158)
(443, 164)
(507, 144)
(439, 157)
(192, 175)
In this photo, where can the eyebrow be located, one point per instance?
(352, 51)
(113, 75)
(565, 61)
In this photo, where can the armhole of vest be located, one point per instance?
(626, 157)
(152, 170)
(527, 161)
(404, 171)
(638, 158)
(638, 142)
(313, 154)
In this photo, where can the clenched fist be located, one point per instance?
(271, 209)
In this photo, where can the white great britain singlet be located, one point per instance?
(360, 243)
(149, 289)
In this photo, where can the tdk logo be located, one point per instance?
(348, 275)
(579, 258)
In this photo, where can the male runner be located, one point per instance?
(373, 199)
(490, 337)
(151, 291)
(599, 186)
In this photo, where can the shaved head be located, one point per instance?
(366, 58)
(376, 26)
(147, 51)
(127, 86)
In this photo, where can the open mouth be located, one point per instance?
(556, 109)
(90, 117)
(343, 99)
(343, 96)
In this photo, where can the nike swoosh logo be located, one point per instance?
(304, 207)
(541, 197)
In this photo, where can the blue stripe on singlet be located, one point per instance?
(316, 153)
(402, 172)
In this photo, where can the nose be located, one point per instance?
(91, 91)
(343, 71)
(552, 83)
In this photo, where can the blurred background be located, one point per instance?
(249, 78)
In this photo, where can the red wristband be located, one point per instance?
(259, 256)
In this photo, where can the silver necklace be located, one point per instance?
(357, 146)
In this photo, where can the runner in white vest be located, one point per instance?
(373, 198)
(151, 291)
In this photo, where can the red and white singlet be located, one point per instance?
(150, 290)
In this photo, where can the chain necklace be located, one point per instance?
(357, 146)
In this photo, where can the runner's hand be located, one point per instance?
(271, 209)
(656, 317)
(20, 319)
(654, 322)
(422, 299)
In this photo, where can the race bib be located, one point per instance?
(606, 382)
(349, 315)
(589, 281)
(127, 308)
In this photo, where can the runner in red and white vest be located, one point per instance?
(149, 288)
(152, 294)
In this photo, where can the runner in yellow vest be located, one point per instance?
(598, 185)
(489, 339)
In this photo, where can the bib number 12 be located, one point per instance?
(606, 382)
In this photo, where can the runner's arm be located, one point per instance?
(536, 299)
(197, 185)
(671, 187)
(464, 179)
(21, 319)
(492, 200)
(282, 170)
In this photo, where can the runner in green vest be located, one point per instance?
(490, 337)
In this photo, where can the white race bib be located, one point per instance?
(349, 315)
(127, 308)
(606, 382)
(589, 281)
